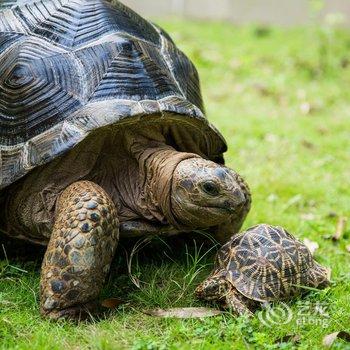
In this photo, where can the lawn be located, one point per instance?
(281, 99)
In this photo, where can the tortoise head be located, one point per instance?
(206, 194)
(216, 287)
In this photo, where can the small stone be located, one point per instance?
(49, 275)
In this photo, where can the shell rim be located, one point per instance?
(102, 114)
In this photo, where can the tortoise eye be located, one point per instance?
(210, 188)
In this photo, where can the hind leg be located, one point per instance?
(80, 251)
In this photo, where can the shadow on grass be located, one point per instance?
(163, 273)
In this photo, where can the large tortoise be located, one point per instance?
(263, 264)
(102, 131)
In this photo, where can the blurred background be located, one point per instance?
(280, 12)
(275, 77)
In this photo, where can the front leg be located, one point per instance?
(237, 303)
(80, 251)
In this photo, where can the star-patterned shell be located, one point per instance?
(267, 263)
(69, 67)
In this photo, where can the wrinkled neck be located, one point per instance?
(157, 163)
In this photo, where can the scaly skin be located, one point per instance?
(80, 251)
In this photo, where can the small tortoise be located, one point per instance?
(262, 264)
(102, 134)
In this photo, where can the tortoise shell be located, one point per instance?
(71, 67)
(267, 263)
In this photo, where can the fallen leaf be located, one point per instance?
(329, 339)
(323, 131)
(262, 89)
(112, 303)
(262, 31)
(186, 312)
(345, 62)
(307, 144)
(311, 245)
(341, 227)
(293, 201)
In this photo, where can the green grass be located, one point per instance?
(281, 99)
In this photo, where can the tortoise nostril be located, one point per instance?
(239, 196)
(231, 206)
(228, 204)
